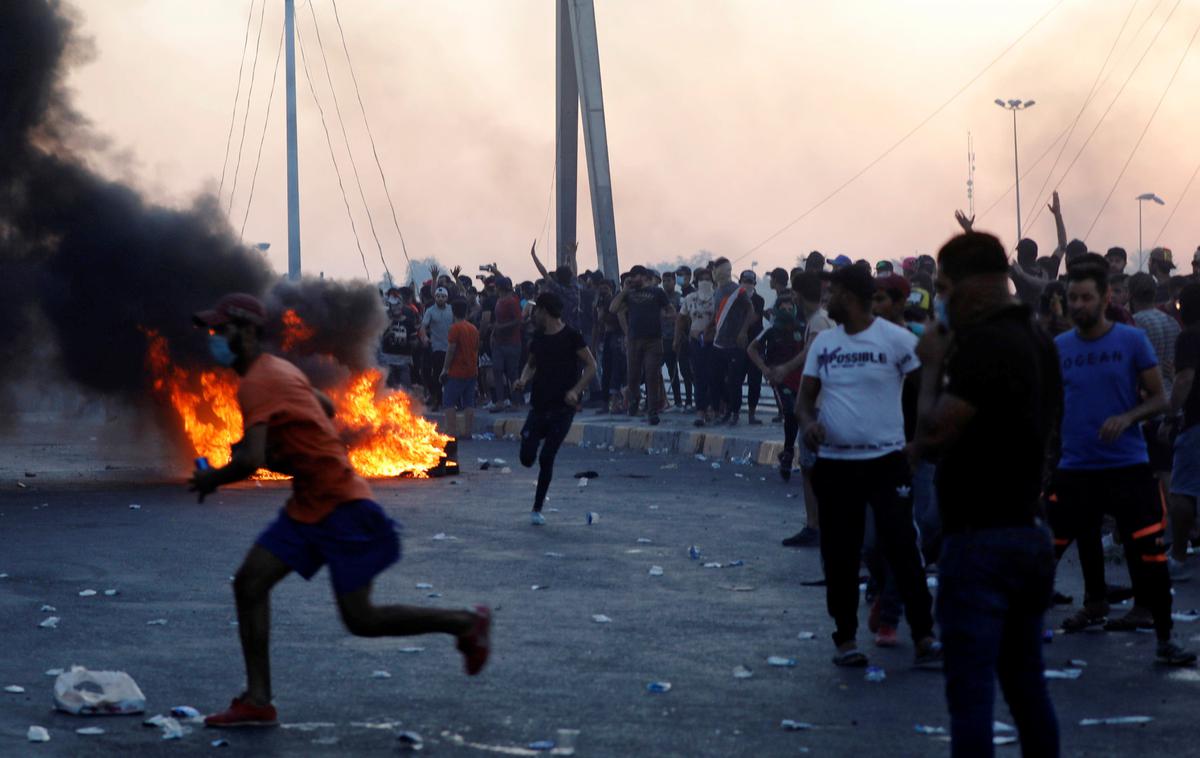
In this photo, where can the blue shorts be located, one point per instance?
(1185, 478)
(459, 393)
(358, 541)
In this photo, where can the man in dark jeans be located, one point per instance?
(734, 315)
(1111, 383)
(858, 369)
(642, 309)
(670, 356)
(555, 355)
(1001, 399)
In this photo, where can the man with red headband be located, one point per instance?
(329, 519)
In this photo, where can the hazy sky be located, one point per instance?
(727, 119)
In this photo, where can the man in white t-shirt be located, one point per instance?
(696, 313)
(859, 369)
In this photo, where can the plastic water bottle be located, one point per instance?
(202, 464)
(694, 553)
(592, 516)
(875, 674)
(658, 687)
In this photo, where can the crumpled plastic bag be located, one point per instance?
(97, 693)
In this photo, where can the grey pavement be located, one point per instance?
(70, 528)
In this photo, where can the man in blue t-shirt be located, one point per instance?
(1111, 383)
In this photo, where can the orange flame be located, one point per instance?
(389, 437)
(295, 331)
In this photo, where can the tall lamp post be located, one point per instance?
(1142, 198)
(1014, 106)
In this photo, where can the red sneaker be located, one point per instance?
(886, 636)
(477, 643)
(240, 713)
(873, 615)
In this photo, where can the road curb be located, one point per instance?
(716, 444)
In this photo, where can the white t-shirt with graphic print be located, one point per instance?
(861, 379)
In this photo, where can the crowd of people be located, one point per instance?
(966, 415)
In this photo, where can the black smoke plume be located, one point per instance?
(87, 263)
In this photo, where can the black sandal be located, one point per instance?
(851, 658)
(1084, 619)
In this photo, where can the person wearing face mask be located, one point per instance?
(671, 356)
(990, 391)
(396, 349)
(735, 314)
(774, 346)
(435, 334)
(643, 308)
(696, 312)
(330, 517)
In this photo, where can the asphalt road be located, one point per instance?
(553, 667)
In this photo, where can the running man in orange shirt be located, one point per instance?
(329, 519)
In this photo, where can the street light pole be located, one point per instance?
(293, 162)
(1014, 106)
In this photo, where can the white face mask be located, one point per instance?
(705, 289)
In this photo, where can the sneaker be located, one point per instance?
(752, 421)
(1173, 655)
(537, 519)
(1137, 618)
(492, 408)
(734, 418)
(1061, 599)
(873, 624)
(785, 464)
(1092, 614)
(508, 405)
(698, 422)
(804, 538)
(1180, 571)
(476, 643)
(653, 420)
(240, 714)
(929, 654)
(886, 636)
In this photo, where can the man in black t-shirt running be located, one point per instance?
(555, 355)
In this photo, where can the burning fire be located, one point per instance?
(388, 438)
(295, 331)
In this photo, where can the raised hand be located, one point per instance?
(966, 223)
(1055, 206)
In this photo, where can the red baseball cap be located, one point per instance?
(894, 283)
(237, 306)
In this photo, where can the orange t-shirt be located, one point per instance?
(301, 439)
(465, 338)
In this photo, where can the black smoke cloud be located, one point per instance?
(346, 319)
(86, 264)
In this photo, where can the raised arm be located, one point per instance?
(537, 262)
